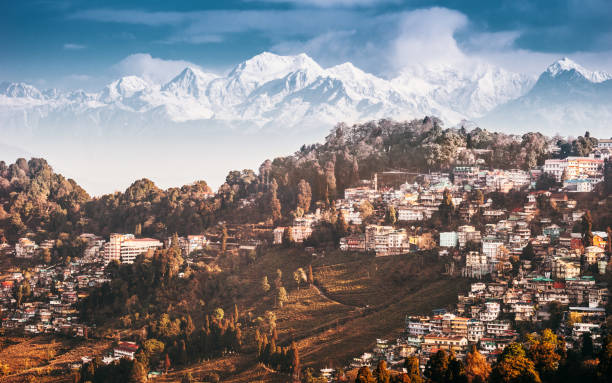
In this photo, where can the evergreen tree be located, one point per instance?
(224, 236)
(587, 346)
(587, 226)
(381, 373)
(310, 275)
(304, 195)
(275, 205)
(391, 216)
(281, 296)
(413, 372)
(364, 375)
(265, 286)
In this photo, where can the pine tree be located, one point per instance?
(413, 372)
(587, 226)
(391, 217)
(310, 275)
(281, 296)
(224, 236)
(275, 205)
(364, 375)
(265, 286)
(381, 373)
(304, 195)
(295, 362)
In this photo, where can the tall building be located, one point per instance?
(125, 248)
(491, 248)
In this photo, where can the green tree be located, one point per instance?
(528, 253)
(288, 240)
(587, 346)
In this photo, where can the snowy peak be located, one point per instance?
(269, 66)
(565, 65)
(190, 82)
(125, 87)
(20, 90)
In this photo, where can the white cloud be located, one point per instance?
(381, 43)
(426, 37)
(73, 47)
(151, 68)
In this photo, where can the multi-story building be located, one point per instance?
(604, 143)
(449, 239)
(564, 268)
(132, 248)
(467, 234)
(125, 248)
(574, 167)
(491, 248)
(476, 330)
(25, 248)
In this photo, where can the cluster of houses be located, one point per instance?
(555, 281)
(42, 300)
(486, 315)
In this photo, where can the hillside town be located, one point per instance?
(535, 263)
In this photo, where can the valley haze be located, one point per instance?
(175, 132)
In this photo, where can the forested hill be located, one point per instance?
(35, 199)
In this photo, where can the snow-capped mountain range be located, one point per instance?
(288, 93)
(267, 91)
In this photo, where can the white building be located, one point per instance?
(125, 248)
(25, 248)
(491, 248)
(449, 239)
(132, 248)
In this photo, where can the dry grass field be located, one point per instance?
(45, 358)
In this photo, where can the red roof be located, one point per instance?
(128, 346)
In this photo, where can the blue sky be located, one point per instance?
(85, 43)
